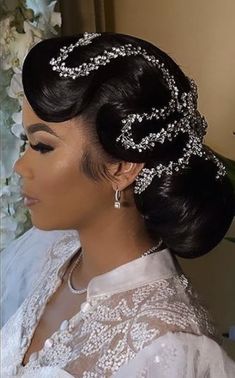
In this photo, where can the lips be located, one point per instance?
(25, 195)
(28, 200)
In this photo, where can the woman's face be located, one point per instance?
(67, 198)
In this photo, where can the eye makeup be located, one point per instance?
(41, 147)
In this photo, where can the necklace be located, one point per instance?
(81, 291)
(72, 289)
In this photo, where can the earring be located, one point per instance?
(117, 203)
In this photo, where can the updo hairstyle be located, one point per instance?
(189, 210)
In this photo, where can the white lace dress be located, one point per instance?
(21, 261)
(142, 319)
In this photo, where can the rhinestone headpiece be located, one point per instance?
(191, 122)
(58, 63)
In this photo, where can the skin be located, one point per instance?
(69, 199)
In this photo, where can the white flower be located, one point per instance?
(13, 214)
(17, 118)
(17, 127)
(14, 46)
(7, 37)
(15, 90)
(49, 19)
(8, 197)
(10, 151)
(22, 44)
(35, 33)
(39, 7)
(47, 10)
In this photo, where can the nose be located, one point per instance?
(21, 168)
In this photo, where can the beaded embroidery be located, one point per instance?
(112, 328)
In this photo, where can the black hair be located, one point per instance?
(189, 210)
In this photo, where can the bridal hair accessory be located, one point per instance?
(84, 290)
(59, 66)
(191, 122)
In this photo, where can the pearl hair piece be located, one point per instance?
(191, 122)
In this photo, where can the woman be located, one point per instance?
(116, 154)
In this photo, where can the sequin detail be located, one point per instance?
(97, 342)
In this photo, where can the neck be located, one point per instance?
(110, 242)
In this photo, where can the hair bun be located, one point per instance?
(192, 210)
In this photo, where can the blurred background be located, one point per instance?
(199, 36)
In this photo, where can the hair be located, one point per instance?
(189, 210)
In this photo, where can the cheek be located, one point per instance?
(64, 188)
(68, 197)
(60, 179)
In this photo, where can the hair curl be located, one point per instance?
(190, 210)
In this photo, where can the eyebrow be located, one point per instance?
(41, 127)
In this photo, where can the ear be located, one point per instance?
(124, 174)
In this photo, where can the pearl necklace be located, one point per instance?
(81, 291)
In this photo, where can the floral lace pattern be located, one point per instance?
(180, 355)
(110, 329)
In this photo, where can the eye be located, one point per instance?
(43, 148)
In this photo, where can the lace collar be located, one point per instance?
(135, 273)
(140, 271)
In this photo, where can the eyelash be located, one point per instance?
(43, 148)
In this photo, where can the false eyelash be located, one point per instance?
(23, 136)
(43, 148)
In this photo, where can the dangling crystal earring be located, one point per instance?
(117, 203)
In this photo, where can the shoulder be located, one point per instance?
(180, 355)
(23, 260)
(173, 305)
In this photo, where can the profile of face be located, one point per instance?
(68, 199)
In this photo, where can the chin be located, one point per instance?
(45, 226)
(50, 227)
(47, 223)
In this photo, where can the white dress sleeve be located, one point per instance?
(48, 372)
(22, 261)
(180, 355)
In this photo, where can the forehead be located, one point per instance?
(62, 130)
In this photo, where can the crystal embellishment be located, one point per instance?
(58, 63)
(191, 122)
(48, 343)
(33, 357)
(85, 306)
(64, 325)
